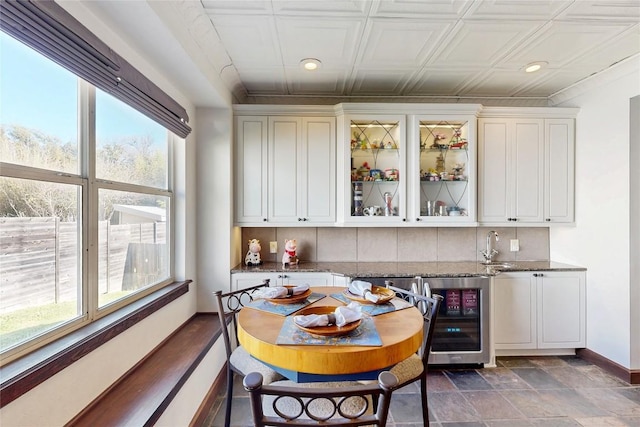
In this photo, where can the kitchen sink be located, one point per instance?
(499, 265)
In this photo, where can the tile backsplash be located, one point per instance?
(377, 244)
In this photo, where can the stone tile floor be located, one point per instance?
(521, 391)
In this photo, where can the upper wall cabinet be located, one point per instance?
(373, 172)
(406, 164)
(285, 170)
(526, 166)
(443, 165)
(251, 169)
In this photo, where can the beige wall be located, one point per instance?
(415, 244)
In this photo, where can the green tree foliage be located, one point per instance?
(133, 159)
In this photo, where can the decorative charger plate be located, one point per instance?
(292, 299)
(329, 330)
(384, 295)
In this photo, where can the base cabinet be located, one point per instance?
(245, 280)
(539, 310)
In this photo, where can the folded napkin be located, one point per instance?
(363, 289)
(282, 292)
(340, 317)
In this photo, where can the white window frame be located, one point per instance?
(90, 187)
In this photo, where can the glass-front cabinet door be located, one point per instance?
(407, 164)
(444, 170)
(375, 166)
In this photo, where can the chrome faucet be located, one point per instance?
(489, 252)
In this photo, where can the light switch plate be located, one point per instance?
(515, 245)
(273, 247)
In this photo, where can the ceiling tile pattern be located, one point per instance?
(447, 48)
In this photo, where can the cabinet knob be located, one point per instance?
(405, 219)
(548, 219)
(418, 219)
(300, 219)
(264, 219)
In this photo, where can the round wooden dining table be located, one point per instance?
(400, 332)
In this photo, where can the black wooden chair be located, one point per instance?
(304, 405)
(415, 367)
(239, 362)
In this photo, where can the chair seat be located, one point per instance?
(243, 362)
(409, 369)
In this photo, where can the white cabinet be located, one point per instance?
(245, 280)
(285, 170)
(539, 310)
(526, 167)
(514, 303)
(443, 184)
(559, 173)
(251, 169)
(511, 168)
(397, 160)
(372, 167)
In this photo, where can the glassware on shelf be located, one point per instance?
(375, 163)
(443, 159)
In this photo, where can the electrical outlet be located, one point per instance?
(273, 247)
(515, 245)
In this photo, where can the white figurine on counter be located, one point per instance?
(253, 255)
(289, 257)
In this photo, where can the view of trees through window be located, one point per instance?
(46, 208)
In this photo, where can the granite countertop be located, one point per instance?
(406, 269)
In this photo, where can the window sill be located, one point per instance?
(28, 372)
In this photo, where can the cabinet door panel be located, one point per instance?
(528, 146)
(284, 138)
(251, 169)
(514, 312)
(318, 170)
(493, 142)
(559, 173)
(561, 317)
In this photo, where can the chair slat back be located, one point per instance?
(294, 406)
(429, 307)
(228, 306)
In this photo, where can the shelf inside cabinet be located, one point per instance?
(443, 158)
(375, 168)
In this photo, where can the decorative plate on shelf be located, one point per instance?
(292, 299)
(385, 295)
(329, 330)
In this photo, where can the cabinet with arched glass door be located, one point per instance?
(373, 164)
(444, 168)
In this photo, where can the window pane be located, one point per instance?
(131, 148)
(38, 110)
(133, 243)
(40, 283)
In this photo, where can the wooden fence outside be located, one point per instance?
(39, 262)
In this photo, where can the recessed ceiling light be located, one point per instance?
(310, 64)
(535, 66)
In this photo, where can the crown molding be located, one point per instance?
(615, 72)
